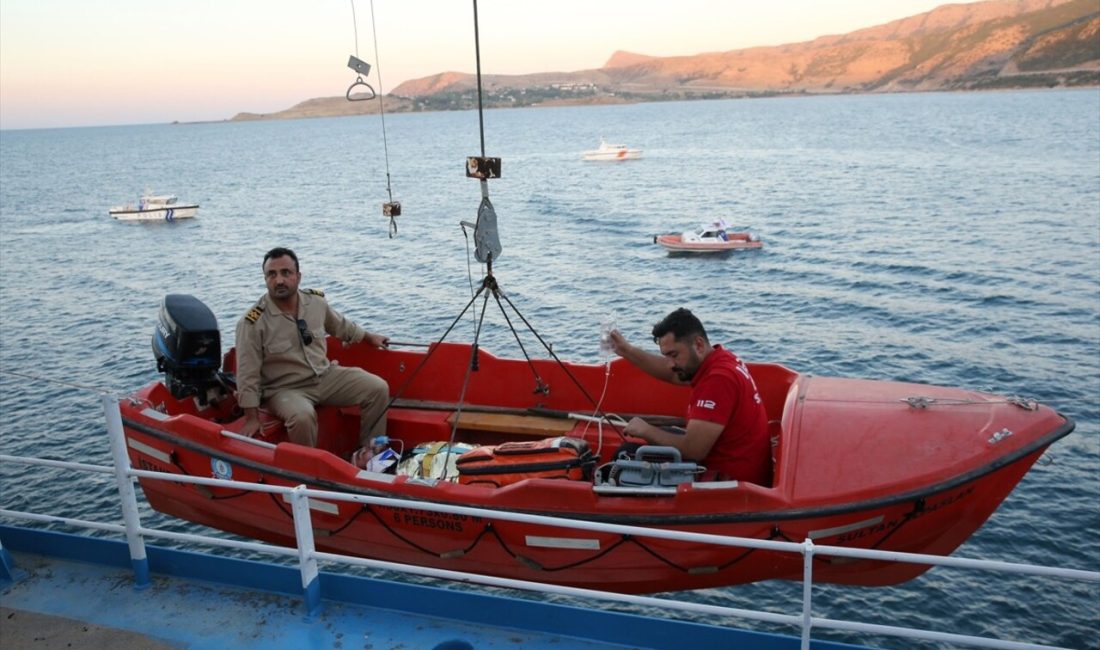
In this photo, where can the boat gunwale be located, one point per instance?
(633, 519)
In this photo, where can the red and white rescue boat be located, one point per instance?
(609, 152)
(715, 237)
(859, 463)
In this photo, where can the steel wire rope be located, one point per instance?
(540, 385)
(355, 27)
(480, 125)
(382, 113)
(381, 104)
(465, 385)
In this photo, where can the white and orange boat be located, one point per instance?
(611, 152)
(857, 463)
(714, 237)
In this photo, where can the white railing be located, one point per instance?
(308, 556)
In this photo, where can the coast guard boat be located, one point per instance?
(155, 207)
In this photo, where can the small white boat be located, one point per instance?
(155, 207)
(607, 151)
(715, 237)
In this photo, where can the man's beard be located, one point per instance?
(684, 373)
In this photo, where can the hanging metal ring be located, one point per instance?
(359, 82)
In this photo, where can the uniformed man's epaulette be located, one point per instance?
(253, 314)
(316, 292)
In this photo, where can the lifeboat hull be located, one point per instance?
(834, 484)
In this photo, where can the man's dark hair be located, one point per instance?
(682, 324)
(279, 251)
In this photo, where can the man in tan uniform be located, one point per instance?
(282, 358)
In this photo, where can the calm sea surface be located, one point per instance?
(941, 238)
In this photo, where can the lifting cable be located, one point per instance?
(390, 209)
(487, 249)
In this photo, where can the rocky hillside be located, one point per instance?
(992, 44)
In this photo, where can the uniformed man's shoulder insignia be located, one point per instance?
(253, 314)
(316, 292)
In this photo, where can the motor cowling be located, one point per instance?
(187, 346)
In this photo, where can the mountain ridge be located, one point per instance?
(985, 45)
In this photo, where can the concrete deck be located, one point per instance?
(59, 590)
(20, 629)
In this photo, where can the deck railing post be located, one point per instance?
(307, 559)
(7, 564)
(128, 498)
(807, 590)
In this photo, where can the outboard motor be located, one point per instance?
(187, 346)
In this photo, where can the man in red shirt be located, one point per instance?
(727, 428)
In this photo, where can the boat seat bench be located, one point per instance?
(523, 425)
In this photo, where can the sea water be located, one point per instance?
(942, 238)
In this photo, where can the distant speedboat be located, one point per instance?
(608, 151)
(155, 207)
(715, 237)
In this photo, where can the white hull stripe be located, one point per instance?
(143, 448)
(829, 532)
(326, 507)
(377, 477)
(714, 485)
(563, 542)
(155, 414)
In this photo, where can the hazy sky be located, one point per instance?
(94, 62)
